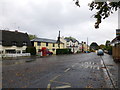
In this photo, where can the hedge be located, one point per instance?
(63, 51)
(31, 50)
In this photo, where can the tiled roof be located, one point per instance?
(44, 40)
(116, 39)
(73, 40)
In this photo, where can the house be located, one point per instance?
(50, 44)
(62, 39)
(13, 42)
(116, 46)
(85, 47)
(73, 44)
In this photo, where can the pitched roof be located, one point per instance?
(44, 40)
(73, 40)
(117, 39)
(10, 37)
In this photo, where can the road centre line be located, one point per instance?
(61, 82)
(55, 77)
(65, 86)
(48, 86)
(73, 65)
(67, 70)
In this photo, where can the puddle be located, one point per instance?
(29, 60)
(109, 65)
(17, 62)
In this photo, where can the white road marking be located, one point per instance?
(55, 77)
(67, 70)
(90, 62)
(61, 82)
(66, 86)
(98, 68)
(48, 86)
(73, 65)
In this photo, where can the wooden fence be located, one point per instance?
(116, 52)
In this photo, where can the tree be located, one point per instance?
(72, 38)
(108, 47)
(31, 50)
(32, 36)
(107, 43)
(102, 46)
(103, 9)
(94, 46)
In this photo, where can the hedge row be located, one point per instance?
(63, 51)
(31, 50)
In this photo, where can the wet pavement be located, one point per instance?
(84, 70)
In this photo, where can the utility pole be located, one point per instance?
(87, 43)
(82, 46)
(118, 18)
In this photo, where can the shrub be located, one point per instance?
(63, 51)
(31, 50)
(79, 51)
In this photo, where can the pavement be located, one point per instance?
(85, 70)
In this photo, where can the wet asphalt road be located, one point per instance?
(63, 71)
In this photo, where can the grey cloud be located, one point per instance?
(46, 17)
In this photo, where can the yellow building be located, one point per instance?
(50, 44)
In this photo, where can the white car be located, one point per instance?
(100, 52)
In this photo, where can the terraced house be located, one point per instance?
(50, 44)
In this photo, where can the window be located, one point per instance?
(1, 42)
(53, 45)
(1, 52)
(53, 49)
(39, 50)
(23, 51)
(18, 51)
(46, 44)
(24, 43)
(10, 51)
(14, 43)
(39, 43)
(56, 45)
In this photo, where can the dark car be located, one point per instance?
(86, 51)
(49, 53)
(100, 52)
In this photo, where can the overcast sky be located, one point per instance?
(45, 18)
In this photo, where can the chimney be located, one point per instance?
(117, 32)
(16, 30)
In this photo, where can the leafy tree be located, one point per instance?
(107, 43)
(108, 47)
(102, 46)
(32, 36)
(70, 38)
(103, 9)
(94, 46)
(31, 50)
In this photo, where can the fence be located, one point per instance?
(116, 52)
(14, 55)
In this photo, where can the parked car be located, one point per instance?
(100, 52)
(49, 53)
(86, 51)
